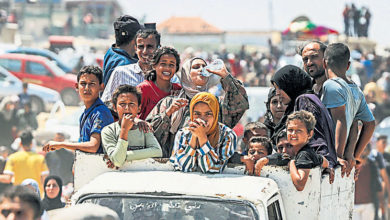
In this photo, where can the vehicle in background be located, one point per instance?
(45, 53)
(159, 193)
(39, 70)
(42, 99)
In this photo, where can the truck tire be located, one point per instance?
(70, 97)
(37, 105)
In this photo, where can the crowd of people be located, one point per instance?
(356, 21)
(150, 102)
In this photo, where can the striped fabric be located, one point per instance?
(207, 158)
(128, 74)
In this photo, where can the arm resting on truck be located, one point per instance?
(298, 176)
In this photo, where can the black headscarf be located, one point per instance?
(294, 82)
(55, 203)
(269, 119)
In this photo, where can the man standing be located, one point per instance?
(312, 55)
(347, 105)
(123, 51)
(25, 164)
(147, 41)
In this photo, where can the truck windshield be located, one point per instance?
(159, 207)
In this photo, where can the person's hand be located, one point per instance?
(259, 165)
(249, 162)
(331, 175)
(351, 164)
(52, 146)
(198, 128)
(127, 122)
(222, 72)
(176, 105)
(143, 125)
(109, 163)
(358, 166)
(344, 165)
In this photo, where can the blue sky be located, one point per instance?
(255, 14)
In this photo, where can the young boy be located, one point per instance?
(95, 117)
(300, 126)
(122, 140)
(347, 105)
(259, 147)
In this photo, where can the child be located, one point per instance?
(206, 143)
(95, 117)
(259, 147)
(122, 140)
(300, 126)
(166, 63)
(251, 129)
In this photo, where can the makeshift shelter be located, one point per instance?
(302, 28)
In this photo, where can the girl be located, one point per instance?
(166, 62)
(275, 110)
(172, 112)
(205, 143)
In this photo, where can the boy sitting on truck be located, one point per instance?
(259, 147)
(123, 140)
(95, 116)
(300, 126)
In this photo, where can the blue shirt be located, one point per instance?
(93, 120)
(337, 92)
(113, 58)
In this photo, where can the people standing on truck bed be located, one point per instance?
(275, 110)
(95, 116)
(124, 140)
(146, 43)
(158, 85)
(295, 88)
(347, 105)
(172, 112)
(205, 144)
(123, 51)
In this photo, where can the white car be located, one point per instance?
(42, 99)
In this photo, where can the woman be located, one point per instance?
(205, 143)
(166, 63)
(172, 112)
(53, 192)
(294, 86)
(275, 110)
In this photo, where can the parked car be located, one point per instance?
(42, 99)
(39, 70)
(45, 53)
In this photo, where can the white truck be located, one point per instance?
(149, 189)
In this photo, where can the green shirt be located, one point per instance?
(139, 145)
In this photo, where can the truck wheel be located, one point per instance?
(37, 105)
(70, 97)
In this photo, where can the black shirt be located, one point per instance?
(307, 158)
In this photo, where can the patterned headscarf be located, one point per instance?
(212, 102)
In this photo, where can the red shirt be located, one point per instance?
(151, 95)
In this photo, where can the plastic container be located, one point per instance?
(215, 65)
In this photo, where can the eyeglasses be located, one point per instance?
(17, 213)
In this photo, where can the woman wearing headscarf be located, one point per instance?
(205, 143)
(53, 192)
(173, 113)
(294, 86)
(275, 110)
